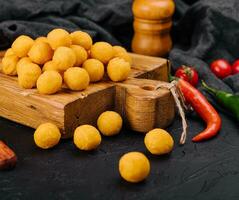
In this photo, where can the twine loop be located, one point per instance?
(180, 103)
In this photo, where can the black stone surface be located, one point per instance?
(208, 170)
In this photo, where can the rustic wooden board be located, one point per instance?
(68, 109)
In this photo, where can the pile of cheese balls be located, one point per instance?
(62, 57)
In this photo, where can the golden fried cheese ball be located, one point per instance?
(9, 52)
(125, 56)
(41, 39)
(64, 57)
(47, 135)
(158, 141)
(121, 52)
(28, 75)
(81, 54)
(22, 45)
(87, 137)
(109, 123)
(118, 69)
(81, 38)
(50, 65)
(59, 37)
(49, 82)
(134, 167)
(76, 78)
(102, 51)
(22, 62)
(9, 65)
(119, 49)
(40, 53)
(95, 69)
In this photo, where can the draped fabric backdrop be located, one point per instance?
(103, 19)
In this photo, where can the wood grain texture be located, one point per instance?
(69, 109)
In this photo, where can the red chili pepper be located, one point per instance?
(203, 108)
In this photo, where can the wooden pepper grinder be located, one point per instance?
(152, 25)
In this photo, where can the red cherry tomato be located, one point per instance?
(235, 67)
(221, 68)
(188, 74)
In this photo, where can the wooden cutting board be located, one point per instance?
(136, 99)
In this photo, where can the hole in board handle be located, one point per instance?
(148, 87)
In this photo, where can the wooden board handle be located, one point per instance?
(142, 106)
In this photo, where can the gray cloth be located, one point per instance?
(105, 20)
(203, 32)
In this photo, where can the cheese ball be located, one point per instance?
(119, 49)
(50, 65)
(95, 69)
(47, 135)
(28, 75)
(81, 38)
(81, 54)
(40, 52)
(76, 78)
(134, 167)
(121, 52)
(64, 57)
(22, 62)
(109, 123)
(41, 39)
(49, 82)
(9, 52)
(22, 45)
(87, 137)
(9, 65)
(118, 69)
(158, 142)
(58, 38)
(102, 51)
(125, 56)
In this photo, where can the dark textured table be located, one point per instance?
(208, 170)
